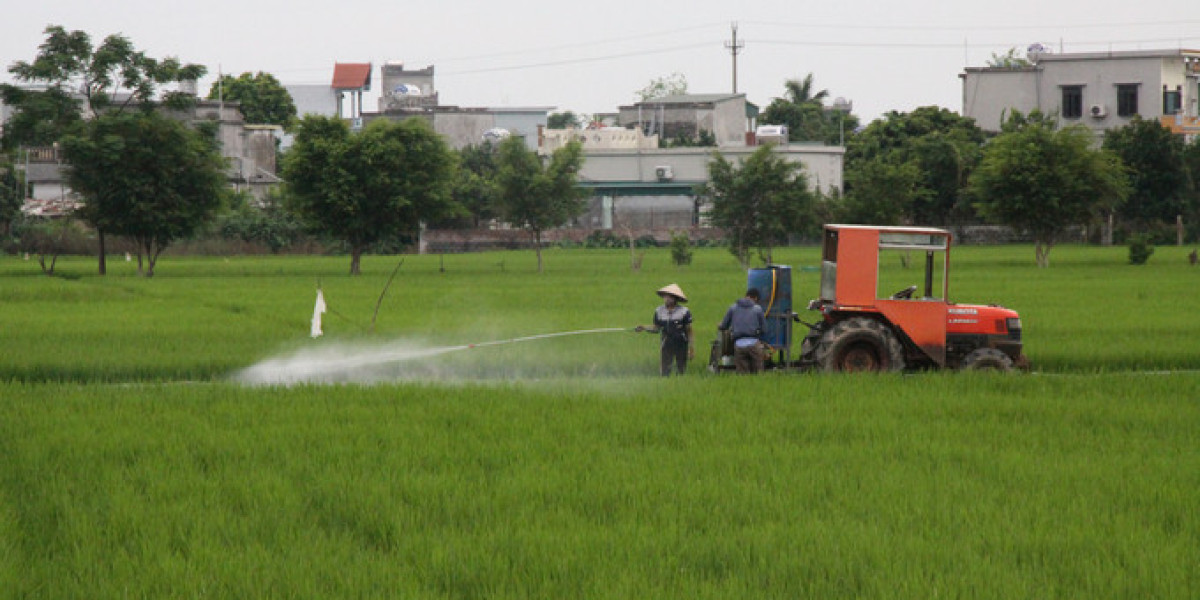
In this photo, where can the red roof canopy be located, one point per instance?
(351, 76)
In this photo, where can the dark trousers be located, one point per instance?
(673, 353)
(748, 359)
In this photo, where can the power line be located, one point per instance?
(935, 45)
(542, 49)
(827, 26)
(572, 61)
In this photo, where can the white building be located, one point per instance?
(1101, 90)
(634, 183)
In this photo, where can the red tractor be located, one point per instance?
(868, 322)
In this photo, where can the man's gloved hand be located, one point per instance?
(639, 328)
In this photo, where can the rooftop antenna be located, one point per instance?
(734, 47)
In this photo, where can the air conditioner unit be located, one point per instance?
(1098, 111)
(664, 173)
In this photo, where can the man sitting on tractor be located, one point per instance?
(746, 323)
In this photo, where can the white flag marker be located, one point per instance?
(318, 310)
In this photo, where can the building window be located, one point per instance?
(1072, 101)
(1127, 99)
(1172, 100)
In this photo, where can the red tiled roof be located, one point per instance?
(351, 76)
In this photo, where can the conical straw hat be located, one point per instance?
(674, 291)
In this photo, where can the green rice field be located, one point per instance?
(139, 459)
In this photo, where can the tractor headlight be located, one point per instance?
(1014, 327)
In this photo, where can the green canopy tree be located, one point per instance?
(1039, 179)
(260, 96)
(758, 202)
(536, 196)
(475, 187)
(110, 78)
(144, 176)
(563, 120)
(362, 188)
(12, 194)
(880, 192)
(942, 147)
(802, 109)
(42, 116)
(1157, 173)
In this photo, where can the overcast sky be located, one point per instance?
(881, 55)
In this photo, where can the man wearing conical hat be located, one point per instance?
(673, 322)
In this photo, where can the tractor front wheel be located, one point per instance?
(987, 359)
(860, 344)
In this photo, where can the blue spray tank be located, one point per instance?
(774, 285)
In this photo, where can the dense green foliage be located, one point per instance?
(1040, 179)
(802, 109)
(260, 97)
(563, 120)
(758, 202)
(474, 188)
(927, 155)
(564, 467)
(111, 76)
(146, 177)
(536, 195)
(42, 116)
(1158, 180)
(369, 186)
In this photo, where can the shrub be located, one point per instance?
(1140, 249)
(681, 248)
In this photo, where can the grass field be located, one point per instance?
(132, 463)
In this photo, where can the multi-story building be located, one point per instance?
(1101, 90)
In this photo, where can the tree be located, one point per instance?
(1042, 180)
(804, 113)
(1008, 60)
(144, 176)
(110, 78)
(1157, 175)
(759, 202)
(12, 194)
(366, 187)
(475, 187)
(261, 98)
(881, 192)
(536, 196)
(42, 117)
(563, 120)
(674, 84)
(67, 62)
(943, 148)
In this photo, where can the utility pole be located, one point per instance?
(734, 47)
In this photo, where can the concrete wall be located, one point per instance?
(822, 164)
(523, 122)
(989, 96)
(464, 128)
(313, 99)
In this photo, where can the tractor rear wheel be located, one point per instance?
(860, 344)
(987, 359)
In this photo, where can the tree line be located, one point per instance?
(151, 177)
